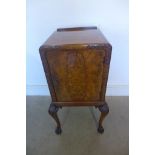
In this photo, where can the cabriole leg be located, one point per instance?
(104, 109)
(53, 109)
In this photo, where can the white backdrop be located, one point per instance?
(45, 16)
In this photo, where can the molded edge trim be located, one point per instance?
(77, 28)
(77, 46)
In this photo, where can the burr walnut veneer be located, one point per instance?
(76, 64)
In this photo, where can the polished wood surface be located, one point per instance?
(76, 63)
(78, 75)
(84, 37)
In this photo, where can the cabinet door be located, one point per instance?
(79, 75)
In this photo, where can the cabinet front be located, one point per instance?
(79, 75)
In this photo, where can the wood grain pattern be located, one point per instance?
(84, 37)
(77, 75)
(76, 63)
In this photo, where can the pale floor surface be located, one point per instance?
(79, 125)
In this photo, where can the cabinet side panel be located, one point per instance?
(42, 52)
(78, 75)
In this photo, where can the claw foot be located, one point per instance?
(100, 129)
(58, 131)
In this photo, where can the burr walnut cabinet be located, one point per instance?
(76, 64)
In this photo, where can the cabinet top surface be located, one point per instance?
(75, 36)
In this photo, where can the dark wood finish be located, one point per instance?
(76, 63)
(76, 39)
(104, 109)
(53, 109)
(76, 28)
(80, 103)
